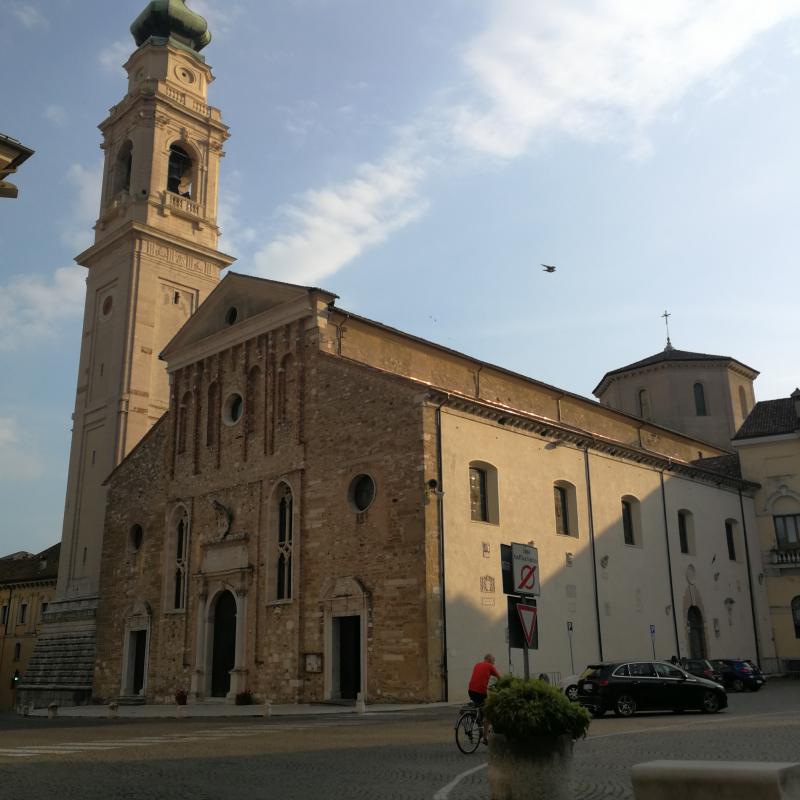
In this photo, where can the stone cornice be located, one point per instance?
(565, 434)
(137, 232)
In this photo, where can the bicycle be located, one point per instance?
(469, 728)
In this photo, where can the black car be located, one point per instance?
(739, 674)
(702, 668)
(630, 686)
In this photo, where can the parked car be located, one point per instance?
(739, 674)
(569, 686)
(702, 668)
(626, 687)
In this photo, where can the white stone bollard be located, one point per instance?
(52, 711)
(112, 710)
(361, 705)
(267, 708)
(716, 780)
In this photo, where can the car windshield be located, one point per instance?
(590, 670)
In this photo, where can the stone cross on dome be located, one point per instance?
(666, 315)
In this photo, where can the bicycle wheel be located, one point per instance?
(468, 732)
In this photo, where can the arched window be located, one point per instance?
(631, 521)
(280, 552)
(254, 405)
(483, 499)
(796, 615)
(565, 503)
(686, 532)
(743, 402)
(181, 555)
(700, 400)
(644, 404)
(212, 415)
(122, 168)
(184, 415)
(180, 172)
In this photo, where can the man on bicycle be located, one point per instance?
(479, 686)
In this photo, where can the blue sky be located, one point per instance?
(420, 159)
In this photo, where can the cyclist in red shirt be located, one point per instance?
(479, 685)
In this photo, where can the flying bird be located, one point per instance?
(549, 268)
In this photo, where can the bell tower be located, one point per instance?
(153, 261)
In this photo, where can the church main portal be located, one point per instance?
(223, 651)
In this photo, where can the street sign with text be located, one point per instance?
(525, 562)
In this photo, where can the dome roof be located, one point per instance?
(171, 19)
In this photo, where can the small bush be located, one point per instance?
(181, 697)
(244, 698)
(522, 709)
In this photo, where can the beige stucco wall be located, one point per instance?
(774, 462)
(633, 588)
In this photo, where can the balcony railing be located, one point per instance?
(785, 558)
(178, 203)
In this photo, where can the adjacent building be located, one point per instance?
(27, 585)
(768, 444)
(12, 155)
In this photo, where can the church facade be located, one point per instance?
(270, 494)
(320, 513)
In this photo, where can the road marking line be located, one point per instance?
(444, 792)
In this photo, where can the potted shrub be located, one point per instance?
(244, 698)
(535, 727)
(181, 697)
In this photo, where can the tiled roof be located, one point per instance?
(670, 354)
(725, 465)
(770, 418)
(39, 567)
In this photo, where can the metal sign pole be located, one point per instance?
(571, 656)
(525, 661)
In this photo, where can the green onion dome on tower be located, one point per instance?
(171, 19)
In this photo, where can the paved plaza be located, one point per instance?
(403, 755)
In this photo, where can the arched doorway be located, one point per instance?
(697, 634)
(223, 649)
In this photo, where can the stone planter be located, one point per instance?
(534, 769)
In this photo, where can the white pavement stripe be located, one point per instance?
(444, 792)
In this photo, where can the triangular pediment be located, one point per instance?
(236, 309)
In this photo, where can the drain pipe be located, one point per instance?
(440, 514)
(750, 580)
(669, 566)
(594, 550)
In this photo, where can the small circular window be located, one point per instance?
(231, 315)
(362, 492)
(108, 304)
(137, 536)
(232, 411)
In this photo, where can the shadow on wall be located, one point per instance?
(617, 602)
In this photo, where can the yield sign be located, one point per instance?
(527, 616)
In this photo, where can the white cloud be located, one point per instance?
(18, 461)
(29, 16)
(56, 114)
(32, 307)
(332, 226)
(599, 70)
(76, 232)
(235, 235)
(113, 56)
(220, 18)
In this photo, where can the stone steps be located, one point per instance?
(64, 659)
